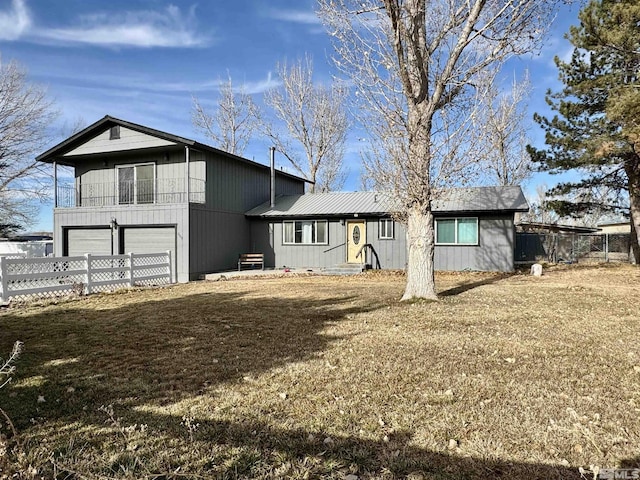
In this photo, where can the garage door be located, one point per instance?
(149, 240)
(96, 241)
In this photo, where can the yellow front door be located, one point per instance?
(356, 238)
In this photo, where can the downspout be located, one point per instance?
(188, 172)
(273, 177)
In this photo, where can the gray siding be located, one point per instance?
(217, 239)
(237, 186)
(266, 237)
(128, 216)
(129, 140)
(494, 251)
(96, 179)
(392, 254)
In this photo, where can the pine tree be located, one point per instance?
(596, 130)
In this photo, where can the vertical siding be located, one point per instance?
(237, 186)
(98, 178)
(266, 237)
(130, 215)
(288, 186)
(217, 239)
(392, 253)
(494, 251)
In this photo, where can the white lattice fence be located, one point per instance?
(27, 278)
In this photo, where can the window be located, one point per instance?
(114, 133)
(457, 231)
(305, 232)
(385, 229)
(136, 184)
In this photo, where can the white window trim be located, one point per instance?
(393, 229)
(477, 242)
(326, 222)
(135, 183)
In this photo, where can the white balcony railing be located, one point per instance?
(141, 192)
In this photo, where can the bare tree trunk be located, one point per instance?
(420, 238)
(633, 174)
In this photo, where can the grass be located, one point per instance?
(511, 377)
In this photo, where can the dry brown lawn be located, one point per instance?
(510, 377)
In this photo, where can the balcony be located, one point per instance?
(141, 192)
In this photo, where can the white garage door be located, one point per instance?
(150, 240)
(96, 241)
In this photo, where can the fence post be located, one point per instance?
(170, 266)
(132, 281)
(87, 288)
(606, 247)
(4, 293)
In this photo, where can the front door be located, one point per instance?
(356, 238)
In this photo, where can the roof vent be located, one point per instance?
(114, 132)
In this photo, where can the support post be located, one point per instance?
(55, 184)
(272, 192)
(132, 280)
(170, 266)
(4, 292)
(188, 172)
(87, 285)
(606, 247)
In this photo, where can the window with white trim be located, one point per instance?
(457, 231)
(136, 183)
(305, 232)
(385, 229)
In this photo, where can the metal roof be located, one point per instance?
(554, 227)
(480, 199)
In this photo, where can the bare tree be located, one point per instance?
(25, 117)
(501, 134)
(316, 125)
(234, 121)
(539, 211)
(414, 65)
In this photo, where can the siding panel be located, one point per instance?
(266, 236)
(129, 140)
(493, 253)
(130, 216)
(217, 239)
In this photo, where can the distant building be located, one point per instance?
(38, 244)
(615, 227)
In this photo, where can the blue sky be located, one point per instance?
(143, 60)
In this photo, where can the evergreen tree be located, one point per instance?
(596, 130)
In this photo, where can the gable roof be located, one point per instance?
(468, 200)
(100, 126)
(56, 153)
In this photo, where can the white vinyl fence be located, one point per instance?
(27, 278)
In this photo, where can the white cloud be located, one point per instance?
(145, 28)
(307, 17)
(261, 86)
(15, 21)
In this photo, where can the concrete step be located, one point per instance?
(344, 269)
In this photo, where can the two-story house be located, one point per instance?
(141, 190)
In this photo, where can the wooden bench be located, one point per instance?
(251, 259)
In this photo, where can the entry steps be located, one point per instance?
(345, 269)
